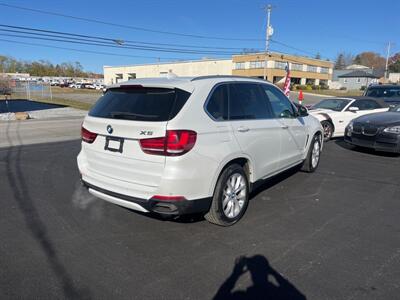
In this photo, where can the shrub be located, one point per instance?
(363, 88)
(343, 88)
(309, 88)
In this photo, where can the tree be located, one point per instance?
(394, 63)
(370, 59)
(42, 68)
(343, 60)
(339, 62)
(348, 58)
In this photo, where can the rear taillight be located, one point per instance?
(88, 136)
(174, 143)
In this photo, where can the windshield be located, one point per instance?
(140, 104)
(332, 104)
(384, 92)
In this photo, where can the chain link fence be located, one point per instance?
(31, 90)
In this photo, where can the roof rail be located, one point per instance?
(225, 76)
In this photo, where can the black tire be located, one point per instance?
(308, 165)
(328, 130)
(216, 214)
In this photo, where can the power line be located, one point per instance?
(115, 39)
(157, 31)
(128, 26)
(294, 48)
(87, 51)
(104, 44)
(101, 41)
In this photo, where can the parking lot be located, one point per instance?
(334, 234)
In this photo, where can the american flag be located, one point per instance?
(286, 87)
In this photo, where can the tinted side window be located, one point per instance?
(365, 104)
(281, 105)
(217, 105)
(247, 102)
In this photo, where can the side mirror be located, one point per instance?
(354, 109)
(303, 111)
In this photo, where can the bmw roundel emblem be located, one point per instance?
(110, 129)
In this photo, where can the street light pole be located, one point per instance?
(268, 34)
(387, 60)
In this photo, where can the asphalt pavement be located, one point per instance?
(334, 234)
(308, 97)
(16, 133)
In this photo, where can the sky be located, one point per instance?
(307, 27)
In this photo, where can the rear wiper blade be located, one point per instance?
(131, 115)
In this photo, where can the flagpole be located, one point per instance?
(268, 34)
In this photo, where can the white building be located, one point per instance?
(394, 77)
(184, 68)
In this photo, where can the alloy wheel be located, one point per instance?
(315, 154)
(234, 195)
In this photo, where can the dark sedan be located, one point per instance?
(379, 131)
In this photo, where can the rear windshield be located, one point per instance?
(383, 92)
(140, 104)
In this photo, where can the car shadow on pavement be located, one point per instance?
(267, 283)
(34, 224)
(341, 143)
(266, 184)
(258, 188)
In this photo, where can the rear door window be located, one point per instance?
(247, 102)
(140, 104)
(217, 105)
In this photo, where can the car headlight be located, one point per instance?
(350, 126)
(394, 129)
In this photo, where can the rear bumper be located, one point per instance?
(379, 142)
(173, 208)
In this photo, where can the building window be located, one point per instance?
(345, 80)
(131, 76)
(310, 81)
(297, 67)
(324, 70)
(312, 69)
(118, 77)
(358, 80)
(259, 64)
(280, 65)
(239, 66)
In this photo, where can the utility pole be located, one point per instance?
(387, 61)
(269, 32)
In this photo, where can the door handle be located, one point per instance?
(284, 126)
(243, 129)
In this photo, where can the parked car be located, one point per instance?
(388, 92)
(379, 131)
(63, 84)
(89, 86)
(336, 113)
(176, 146)
(99, 86)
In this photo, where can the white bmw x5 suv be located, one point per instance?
(177, 146)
